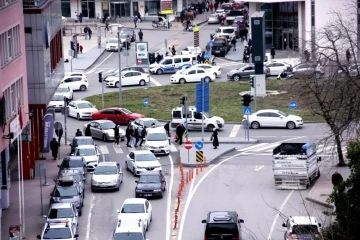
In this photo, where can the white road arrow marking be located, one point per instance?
(259, 167)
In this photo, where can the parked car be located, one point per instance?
(117, 115)
(81, 109)
(63, 211)
(113, 45)
(245, 72)
(273, 118)
(65, 91)
(104, 130)
(76, 82)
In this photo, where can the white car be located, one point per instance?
(214, 69)
(142, 161)
(65, 91)
(303, 227)
(193, 51)
(192, 75)
(220, 12)
(157, 141)
(59, 229)
(213, 18)
(129, 78)
(274, 118)
(135, 209)
(75, 74)
(278, 67)
(63, 211)
(90, 153)
(81, 109)
(57, 101)
(76, 83)
(113, 45)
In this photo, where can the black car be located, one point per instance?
(68, 192)
(79, 141)
(129, 32)
(150, 184)
(219, 48)
(76, 174)
(224, 225)
(73, 163)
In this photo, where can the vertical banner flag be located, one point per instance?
(142, 53)
(48, 132)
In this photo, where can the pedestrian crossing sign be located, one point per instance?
(247, 110)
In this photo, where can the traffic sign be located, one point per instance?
(199, 156)
(146, 102)
(185, 124)
(188, 145)
(293, 105)
(247, 110)
(199, 97)
(199, 145)
(57, 126)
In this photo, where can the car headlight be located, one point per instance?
(157, 190)
(113, 181)
(94, 182)
(218, 121)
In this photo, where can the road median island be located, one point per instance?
(225, 100)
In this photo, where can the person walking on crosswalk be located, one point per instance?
(117, 135)
(137, 134)
(88, 131)
(143, 136)
(129, 133)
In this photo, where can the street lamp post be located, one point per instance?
(119, 50)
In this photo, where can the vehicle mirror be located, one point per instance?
(136, 181)
(319, 224)
(73, 154)
(44, 216)
(158, 158)
(70, 145)
(241, 221)
(58, 166)
(284, 225)
(203, 221)
(117, 210)
(163, 180)
(319, 159)
(76, 235)
(38, 237)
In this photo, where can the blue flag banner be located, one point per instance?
(48, 131)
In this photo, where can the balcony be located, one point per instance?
(30, 4)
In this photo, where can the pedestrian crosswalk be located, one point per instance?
(266, 149)
(122, 148)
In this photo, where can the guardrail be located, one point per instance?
(34, 3)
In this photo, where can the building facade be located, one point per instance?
(45, 68)
(13, 90)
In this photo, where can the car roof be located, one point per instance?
(268, 110)
(86, 146)
(73, 158)
(127, 71)
(156, 130)
(222, 216)
(83, 137)
(100, 121)
(107, 164)
(150, 173)
(134, 200)
(69, 73)
(80, 101)
(60, 205)
(302, 220)
(112, 108)
(142, 151)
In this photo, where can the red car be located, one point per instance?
(117, 115)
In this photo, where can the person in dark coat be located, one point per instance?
(167, 130)
(129, 133)
(78, 133)
(137, 135)
(141, 34)
(88, 131)
(117, 135)
(215, 139)
(272, 52)
(59, 133)
(336, 178)
(54, 146)
(173, 51)
(180, 129)
(143, 136)
(348, 55)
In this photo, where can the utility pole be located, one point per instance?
(65, 116)
(203, 107)
(120, 83)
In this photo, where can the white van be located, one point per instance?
(171, 64)
(194, 119)
(228, 31)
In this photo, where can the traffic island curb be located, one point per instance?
(324, 204)
(195, 164)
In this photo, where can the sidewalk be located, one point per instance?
(34, 221)
(323, 187)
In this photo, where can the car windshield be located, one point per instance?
(85, 152)
(228, 30)
(133, 208)
(150, 122)
(124, 35)
(113, 40)
(66, 192)
(84, 105)
(62, 90)
(128, 236)
(156, 137)
(221, 228)
(72, 164)
(218, 43)
(149, 179)
(105, 170)
(57, 233)
(80, 142)
(235, 13)
(126, 111)
(282, 113)
(305, 229)
(208, 115)
(61, 213)
(57, 98)
(107, 125)
(145, 157)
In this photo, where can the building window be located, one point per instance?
(55, 50)
(10, 46)
(5, 3)
(88, 8)
(152, 8)
(65, 8)
(14, 96)
(313, 13)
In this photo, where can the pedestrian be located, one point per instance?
(129, 132)
(141, 34)
(86, 32)
(80, 17)
(132, 136)
(216, 5)
(198, 58)
(233, 43)
(77, 47)
(214, 138)
(78, 133)
(117, 135)
(167, 130)
(173, 51)
(139, 17)
(182, 15)
(179, 133)
(88, 131)
(59, 133)
(89, 32)
(81, 48)
(107, 20)
(207, 6)
(211, 6)
(307, 55)
(249, 42)
(336, 178)
(272, 52)
(54, 146)
(135, 20)
(158, 57)
(348, 55)
(143, 136)
(137, 135)
(76, 17)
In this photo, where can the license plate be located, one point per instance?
(103, 186)
(147, 195)
(217, 51)
(157, 150)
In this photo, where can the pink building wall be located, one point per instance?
(10, 17)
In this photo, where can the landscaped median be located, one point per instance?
(225, 100)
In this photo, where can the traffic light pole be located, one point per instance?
(255, 94)
(203, 106)
(102, 92)
(248, 127)
(65, 116)
(120, 83)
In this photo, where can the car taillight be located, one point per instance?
(292, 236)
(237, 237)
(205, 237)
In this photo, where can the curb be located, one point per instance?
(163, 120)
(212, 160)
(232, 60)
(95, 59)
(313, 200)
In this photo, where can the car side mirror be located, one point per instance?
(158, 158)
(76, 235)
(44, 216)
(203, 221)
(38, 237)
(136, 181)
(58, 166)
(240, 221)
(319, 224)
(117, 210)
(284, 225)
(70, 145)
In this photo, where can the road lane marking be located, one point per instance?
(103, 61)
(234, 131)
(192, 193)
(252, 147)
(259, 167)
(104, 149)
(168, 206)
(173, 148)
(91, 71)
(278, 214)
(266, 147)
(118, 149)
(155, 82)
(88, 225)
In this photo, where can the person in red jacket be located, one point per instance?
(211, 6)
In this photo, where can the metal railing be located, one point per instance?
(34, 3)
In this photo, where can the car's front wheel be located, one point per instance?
(290, 125)
(255, 125)
(182, 81)
(104, 138)
(117, 84)
(236, 78)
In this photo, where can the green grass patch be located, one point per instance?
(225, 100)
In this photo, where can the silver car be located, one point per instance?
(125, 38)
(146, 122)
(107, 175)
(63, 211)
(104, 129)
(213, 18)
